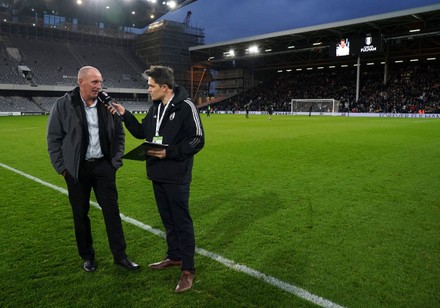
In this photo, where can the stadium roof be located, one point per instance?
(115, 13)
(405, 33)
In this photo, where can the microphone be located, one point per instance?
(105, 99)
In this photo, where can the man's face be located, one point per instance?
(156, 91)
(342, 43)
(90, 85)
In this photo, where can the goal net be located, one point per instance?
(315, 105)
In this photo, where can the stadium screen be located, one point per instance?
(357, 46)
(342, 47)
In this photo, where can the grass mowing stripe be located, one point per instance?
(304, 294)
(61, 190)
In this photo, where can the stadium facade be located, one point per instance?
(42, 51)
(382, 40)
(41, 56)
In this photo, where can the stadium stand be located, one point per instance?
(37, 59)
(57, 63)
(18, 104)
(9, 67)
(40, 62)
(412, 88)
(392, 65)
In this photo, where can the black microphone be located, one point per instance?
(104, 98)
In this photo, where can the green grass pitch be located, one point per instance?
(346, 208)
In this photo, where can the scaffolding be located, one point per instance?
(167, 43)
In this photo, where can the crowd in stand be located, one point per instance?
(410, 88)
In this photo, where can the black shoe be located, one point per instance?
(89, 266)
(125, 262)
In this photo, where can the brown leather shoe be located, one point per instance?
(165, 263)
(185, 281)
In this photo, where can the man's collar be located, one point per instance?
(85, 104)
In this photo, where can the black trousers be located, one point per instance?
(173, 204)
(101, 176)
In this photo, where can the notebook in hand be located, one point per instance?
(140, 152)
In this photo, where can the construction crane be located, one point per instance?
(187, 18)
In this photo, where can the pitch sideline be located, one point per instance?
(302, 293)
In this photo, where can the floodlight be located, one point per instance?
(172, 4)
(229, 54)
(253, 49)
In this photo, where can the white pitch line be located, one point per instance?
(304, 294)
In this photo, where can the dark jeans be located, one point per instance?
(101, 176)
(172, 202)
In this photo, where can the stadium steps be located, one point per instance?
(75, 54)
(130, 61)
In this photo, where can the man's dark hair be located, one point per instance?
(161, 75)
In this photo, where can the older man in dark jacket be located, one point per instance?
(85, 144)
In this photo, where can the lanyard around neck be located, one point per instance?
(159, 117)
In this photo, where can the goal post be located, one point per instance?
(325, 105)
